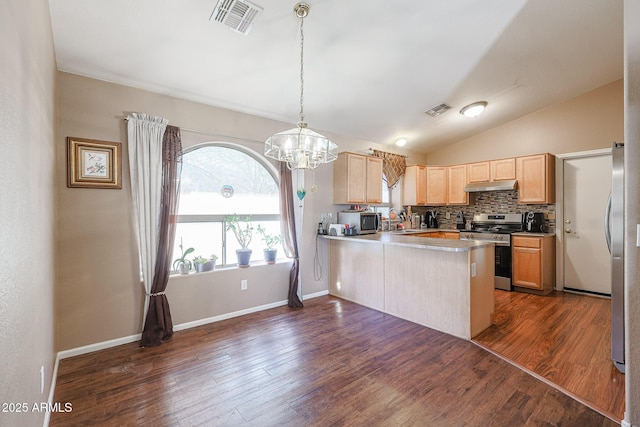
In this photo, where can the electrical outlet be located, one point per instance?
(447, 215)
(243, 285)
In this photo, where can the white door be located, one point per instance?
(587, 263)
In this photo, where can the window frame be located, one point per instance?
(220, 218)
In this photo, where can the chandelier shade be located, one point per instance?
(301, 148)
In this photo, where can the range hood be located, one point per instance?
(475, 187)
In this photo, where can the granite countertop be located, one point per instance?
(406, 239)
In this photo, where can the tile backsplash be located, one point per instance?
(488, 202)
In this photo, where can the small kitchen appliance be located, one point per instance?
(460, 224)
(336, 229)
(533, 222)
(431, 220)
(363, 222)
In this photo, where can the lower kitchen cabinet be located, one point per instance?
(533, 263)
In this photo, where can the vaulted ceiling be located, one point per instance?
(372, 67)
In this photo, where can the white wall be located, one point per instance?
(27, 206)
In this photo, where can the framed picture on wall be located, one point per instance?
(93, 164)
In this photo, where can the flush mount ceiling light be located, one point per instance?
(474, 110)
(400, 142)
(301, 148)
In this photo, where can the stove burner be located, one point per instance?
(495, 228)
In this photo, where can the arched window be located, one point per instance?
(218, 180)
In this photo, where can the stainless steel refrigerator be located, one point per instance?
(614, 231)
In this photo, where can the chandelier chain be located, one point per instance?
(301, 69)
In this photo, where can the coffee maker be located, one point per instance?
(533, 222)
(431, 220)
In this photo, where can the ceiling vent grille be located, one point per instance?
(238, 15)
(438, 109)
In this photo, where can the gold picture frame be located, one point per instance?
(93, 164)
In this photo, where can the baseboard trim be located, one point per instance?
(226, 316)
(52, 389)
(316, 294)
(64, 354)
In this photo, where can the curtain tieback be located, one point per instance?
(157, 294)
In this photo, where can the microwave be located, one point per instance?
(363, 222)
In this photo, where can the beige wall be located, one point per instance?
(99, 297)
(27, 206)
(588, 122)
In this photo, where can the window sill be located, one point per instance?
(174, 275)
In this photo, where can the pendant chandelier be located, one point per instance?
(300, 147)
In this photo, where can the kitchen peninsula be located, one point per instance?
(443, 284)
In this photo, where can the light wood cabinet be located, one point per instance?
(414, 191)
(374, 180)
(536, 178)
(437, 185)
(494, 170)
(479, 172)
(503, 169)
(357, 179)
(456, 181)
(533, 263)
(451, 235)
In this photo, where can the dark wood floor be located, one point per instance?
(331, 363)
(563, 337)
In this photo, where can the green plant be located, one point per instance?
(201, 260)
(183, 258)
(242, 229)
(269, 239)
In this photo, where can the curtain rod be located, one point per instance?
(213, 135)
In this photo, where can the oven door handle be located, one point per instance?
(502, 243)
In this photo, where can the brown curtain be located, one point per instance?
(158, 325)
(393, 166)
(289, 241)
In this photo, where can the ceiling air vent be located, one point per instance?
(438, 109)
(238, 15)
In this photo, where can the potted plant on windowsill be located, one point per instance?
(270, 252)
(243, 230)
(182, 264)
(205, 264)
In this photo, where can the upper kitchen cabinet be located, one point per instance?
(494, 170)
(437, 185)
(456, 181)
(479, 172)
(503, 169)
(357, 179)
(536, 178)
(414, 190)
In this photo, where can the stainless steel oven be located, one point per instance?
(496, 228)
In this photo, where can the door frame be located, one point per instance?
(559, 232)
